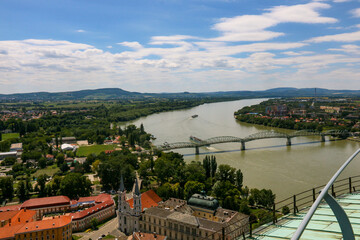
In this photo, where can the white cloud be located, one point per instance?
(341, 1)
(80, 31)
(135, 45)
(350, 48)
(343, 37)
(292, 53)
(109, 46)
(253, 27)
(356, 12)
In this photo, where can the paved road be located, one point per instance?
(105, 229)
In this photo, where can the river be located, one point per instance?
(267, 163)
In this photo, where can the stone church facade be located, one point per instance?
(129, 218)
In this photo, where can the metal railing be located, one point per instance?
(308, 198)
(340, 215)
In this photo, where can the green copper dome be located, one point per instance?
(203, 201)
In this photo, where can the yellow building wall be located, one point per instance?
(63, 233)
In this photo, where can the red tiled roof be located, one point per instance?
(9, 232)
(98, 199)
(148, 199)
(10, 208)
(92, 210)
(4, 216)
(22, 216)
(47, 201)
(56, 222)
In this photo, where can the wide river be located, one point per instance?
(267, 163)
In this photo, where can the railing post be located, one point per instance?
(294, 204)
(274, 215)
(350, 190)
(314, 196)
(223, 233)
(333, 191)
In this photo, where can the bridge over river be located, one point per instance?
(197, 142)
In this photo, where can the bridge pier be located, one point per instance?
(197, 150)
(322, 138)
(288, 142)
(242, 146)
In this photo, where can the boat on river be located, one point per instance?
(194, 116)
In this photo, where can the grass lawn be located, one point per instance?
(49, 170)
(83, 151)
(6, 136)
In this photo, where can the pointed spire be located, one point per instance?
(122, 188)
(137, 190)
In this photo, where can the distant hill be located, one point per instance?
(117, 93)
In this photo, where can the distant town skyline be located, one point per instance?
(178, 45)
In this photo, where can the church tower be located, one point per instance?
(128, 217)
(137, 205)
(123, 207)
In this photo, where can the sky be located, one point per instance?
(178, 45)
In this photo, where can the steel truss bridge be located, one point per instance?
(256, 136)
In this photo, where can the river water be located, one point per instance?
(266, 163)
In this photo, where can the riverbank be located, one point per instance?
(266, 163)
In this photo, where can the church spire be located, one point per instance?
(122, 188)
(137, 190)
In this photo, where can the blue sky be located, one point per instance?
(178, 45)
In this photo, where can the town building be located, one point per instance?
(47, 205)
(199, 218)
(101, 207)
(146, 236)
(130, 210)
(81, 211)
(22, 224)
(4, 155)
(16, 147)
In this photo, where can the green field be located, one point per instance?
(6, 136)
(49, 170)
(83, 151)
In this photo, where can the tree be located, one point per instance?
(60, 158)
(142, 131)
(232, 203)
(22, 192)
(165, 191)
(7, 189)
(226, 173)
(0, 136)
(42, 162)
(194, 172)
(239, 179)
(244, 208)
(55, 185)
(41, 182)
(8, 161)
(207, 166)
(192, 187)
(110, 172)
(74, 185)
(213, 166)
(64, 167)
(94, 223)
(223, 189)
(95, 166)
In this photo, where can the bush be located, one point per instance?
(285, 210)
